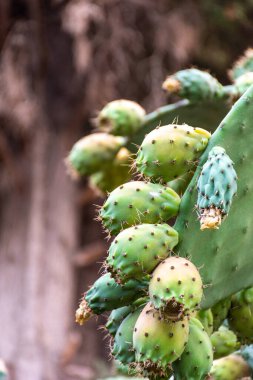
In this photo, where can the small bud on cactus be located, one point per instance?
(175, 287)
(121, 117)
(136, 251)
(158, 342)
(217, 185)
(197, 358)
(193, 84)
(169, 151)
(224, 342)
(220, 312)
(232, 367)
(138, 202)
(93, 152)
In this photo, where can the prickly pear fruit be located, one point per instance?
(114, 174)
(138, 202)
(123, 341)
(217, 185)
(136, 251)
(91, 153)
(206, 318)
(193, 84)
(197, 358)
(224, 342)
(232, 367)
(240, 315)
(243, 82)
(180, 184)
(125, 369)
(175, 287)
(158, 342)
(106, 295)
(121, 117)
(220, 312)
(169, 151)
(116, 317)
(243, 65)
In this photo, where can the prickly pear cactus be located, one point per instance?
(136, 251)
(220, 312)
(223, 255)
(224, 342)
(205, 316)
(116, 317)
(175, 287)
(232, 367)
(138, 202)
(121, 117)
(170, 151)
(158, 342)
(193, 84)
(197, 358)
(93, 152)
(106, 295)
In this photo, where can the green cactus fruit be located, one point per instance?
(116, 317)
(193, 84)
(136, 251)
(138, 202)
(232, 367)
(243, 82)
(206, 318)
(107, 295)
(114, 174)
(243, 65)
(171, 150)
(158, 342)
(217, 185)
(197, 358)
(123, 342)
(220, 312)
(121, 117)
(93, 152)
(175, 287)
(179, 185)
(240, 315)
(224, 342)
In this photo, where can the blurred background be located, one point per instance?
(60, 62)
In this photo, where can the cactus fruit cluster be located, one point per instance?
(178, 274)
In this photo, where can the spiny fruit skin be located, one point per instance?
(158, 342)
(197, 358)
(206, 318)
(91, 153)
(123, 341)
(217, 185)
(193, 84)
(175, 287)
(243, 65)
(232, 367)
(114, 174)
(220, 312)
(136, 251)
(138, 202)
(171, 150)
(125, 369)
(106, 295)
(224, 342)
(121, 117)
(116, 317)
(240, 316)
